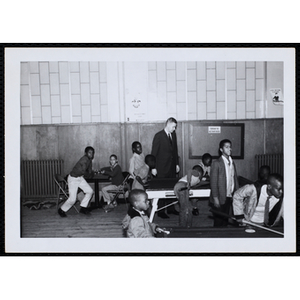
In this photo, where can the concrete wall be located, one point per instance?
(67, 142)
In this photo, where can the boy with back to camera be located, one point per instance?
(223, 183)
(115, 172)
(83, 168)
(181, 191)
(136, 222)
(260, 203)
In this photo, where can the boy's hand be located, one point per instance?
(177, 169)
(216, 202)
(162, 230)
(154, 172)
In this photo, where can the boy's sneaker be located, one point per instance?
(84, 210)
(109, 207)
(61, 213)
(195, 211)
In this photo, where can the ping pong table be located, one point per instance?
(160, 188)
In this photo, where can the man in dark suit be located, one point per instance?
(223, 183)
(164, 148)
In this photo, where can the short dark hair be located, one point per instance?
(199, 169)
(222, 143)
(171, 120)
(263, 172)
(150, 160)
(206, 156)
(115, 156)
(274, 176)
(88, 148)
(134, 196)
(134, 144)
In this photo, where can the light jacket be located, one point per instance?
(245, 201)
(138, 225)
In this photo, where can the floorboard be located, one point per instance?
(46, 223)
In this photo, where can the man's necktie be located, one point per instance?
(170, 139)
(266, 214)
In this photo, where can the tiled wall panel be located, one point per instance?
(25, 73)
(44, 72)
(181, 91)
(63, 72)
(191, 80)
(75, 92)
(54, 84)
(36, 106)
(211, 102)
(55, 106)
(201, 70)
(201, 91)
(211, 80)
(64, 94)
(35, 84)
(25, 97)
(53, 67)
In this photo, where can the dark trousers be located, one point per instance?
(222, 221)
(185, 212)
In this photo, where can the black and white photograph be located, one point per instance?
(190, 148)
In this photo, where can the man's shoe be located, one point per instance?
(84, 211)
(61, 213)
(173, 212)
(195, 212)
(163, 215)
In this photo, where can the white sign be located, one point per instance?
(214, 129)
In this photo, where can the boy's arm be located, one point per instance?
(214, 183)
(131, 167)
(238, 200)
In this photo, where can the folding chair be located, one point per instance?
(63, 191)
(123, 189)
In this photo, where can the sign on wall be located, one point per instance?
(205, 138)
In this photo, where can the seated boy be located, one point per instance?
(263, 174)
(205, 165)
(115, 172)
(261, 204)
(181, 190)
(136, 222)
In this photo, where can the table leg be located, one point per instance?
(154, 209)
(97, 203)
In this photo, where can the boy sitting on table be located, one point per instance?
(260, 203)
(136, 222)
(115, 172)
(181, 191)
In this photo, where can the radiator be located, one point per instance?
(274, 161)
(37, 177)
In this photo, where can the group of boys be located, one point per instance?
(260, 203)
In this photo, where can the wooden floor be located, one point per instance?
(47, 223)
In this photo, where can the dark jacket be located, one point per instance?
(83, 168)
(218, 183)
(115, 173)
(166, 154)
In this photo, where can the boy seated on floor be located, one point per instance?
(136, 222)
